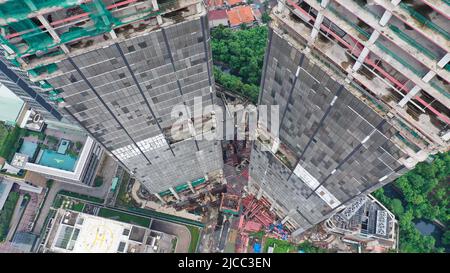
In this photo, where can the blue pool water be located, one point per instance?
(28, 148)
(53, 159)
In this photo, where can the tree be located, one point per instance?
(265, 17)
(446, 238)
(397, 207)
(425, 190)
(241, 51)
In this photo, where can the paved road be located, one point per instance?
(181, 232)
(99, 192)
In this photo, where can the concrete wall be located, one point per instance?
(123, 95)
(342, 147)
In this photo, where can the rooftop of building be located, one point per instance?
(365, 217)
(11, 106)
(84, 233)
(217, 15)
(215, 3)
(234, 2)
(240, 15)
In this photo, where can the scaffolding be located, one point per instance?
(37, 39)
(28, 34)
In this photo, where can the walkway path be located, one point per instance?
(99, 192)
(183, 234)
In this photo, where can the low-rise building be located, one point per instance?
(240, 15)
(365, 222)
(217, 18)
(76, 232)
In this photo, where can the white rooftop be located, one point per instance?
(96, 235)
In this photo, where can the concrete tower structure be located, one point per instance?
(362, 88)
(119, 68)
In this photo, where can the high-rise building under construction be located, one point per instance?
(118, 67)
(362, 88)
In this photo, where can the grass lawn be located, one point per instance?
(7, 213)
(124, 217)
(122, 198)
(82, 196)
(78, 207)
(195, 237)
(280, 246)
(9, 140)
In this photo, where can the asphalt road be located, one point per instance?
(181, 232)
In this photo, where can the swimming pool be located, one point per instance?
(63, 146)
(53, 159)
(28, 148)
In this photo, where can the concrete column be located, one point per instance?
(324, 3)
(281, 5)
(155, 4)
(190, 187)
(275, 145)
(408, 96)
(429, 76)
(159, 197)
(156, 7)
(52, 33)
(174, 193)
(360, 59)
(272, 206)
(8, 49)
(297, 232)
(444, 60)
(373, 37)
(113, 34)
(385, 18)
(199, 7)
(317, 23)
(285, 219)
(259, 195)
(159, 19)
(395, 2)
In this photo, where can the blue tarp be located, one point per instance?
(257, 248)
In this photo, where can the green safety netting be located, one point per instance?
(50, 68)
(440, 89)
(164, 193)
(413, 42)
(346, 19)
(36, 39)
(182, 187)
(45, 84)
(198, 182)
(423, 20)
(399, 59)
(15, 10)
